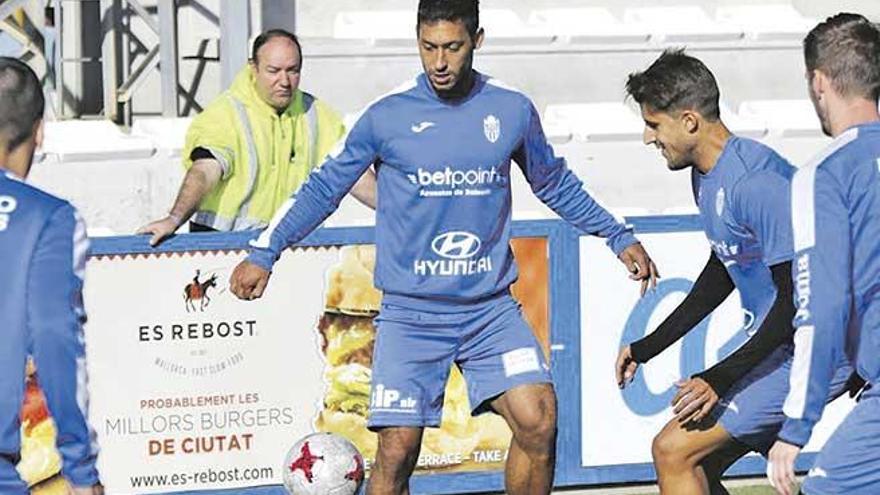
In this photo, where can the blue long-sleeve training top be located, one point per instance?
(836, 224)
(744, 206)
(744, 209)
(444, 199)
(43, 248)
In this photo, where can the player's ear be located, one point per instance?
(478, 38)
(820, 82)
(690, 120)
(38, 133)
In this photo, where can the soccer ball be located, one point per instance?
(323, 464)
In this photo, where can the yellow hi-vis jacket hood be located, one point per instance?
(265, 156)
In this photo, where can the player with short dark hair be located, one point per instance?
(742, 190)
(43, 246)
(444, 142)
(836, 224)
(676, 82)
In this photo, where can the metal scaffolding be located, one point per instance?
(121, 78)
(97, 65)
(19, 26)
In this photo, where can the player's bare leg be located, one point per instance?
(678, 451)
(530, 411)
(395, 460)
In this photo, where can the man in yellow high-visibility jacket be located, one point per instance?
(254, 146)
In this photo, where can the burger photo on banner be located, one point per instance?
(346, 331)
(40, 464)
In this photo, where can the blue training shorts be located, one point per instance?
(751, 411)
(490, 342)
(850, 460)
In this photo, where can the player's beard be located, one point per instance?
(821, 112)
(674, 162)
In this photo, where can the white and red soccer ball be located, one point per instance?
(323, 464)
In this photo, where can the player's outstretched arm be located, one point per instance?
(708, 292)
(559, 188)
(55, 317)
(364, 190)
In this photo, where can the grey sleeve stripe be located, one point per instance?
(221, 159)
(252, 155)
(311, 112)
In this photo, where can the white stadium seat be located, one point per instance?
(787, 118)
(503, 23)
(380, 24)
(608, 121)
(743, 125)
(400, 25)
(586, 24)
(615, 121)
(93, 140)
(557, 130)
(166, 133)
(680, 24)
(766, 21)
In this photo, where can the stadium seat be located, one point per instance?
(680, 24)
(93, 140)
(505, 23)
(387, 24)
(765, 22)
(394, 26)
(586, 25)
(609, 121)
(787, 118)
(557, 130)
(166, 133)
(743, 125)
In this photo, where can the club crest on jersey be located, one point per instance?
(492, 128)
(719, 202)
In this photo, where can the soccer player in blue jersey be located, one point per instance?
(836, 221)
(444, 143)
(42, 257)
(741, 188)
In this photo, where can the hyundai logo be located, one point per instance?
(456, 245)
